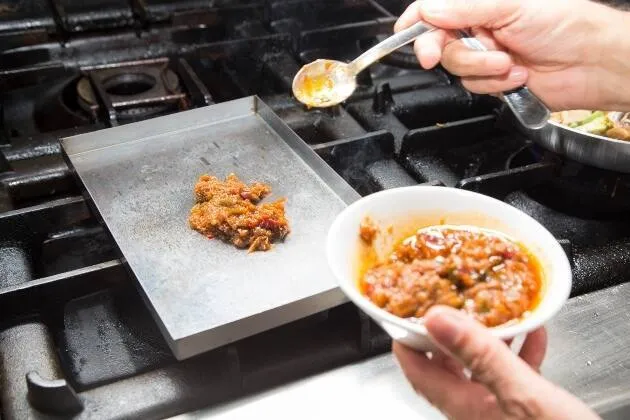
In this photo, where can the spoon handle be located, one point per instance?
(389, 45)
(528, 109)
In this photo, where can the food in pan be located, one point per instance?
(480, 272)
(231, 211)
(615, 125)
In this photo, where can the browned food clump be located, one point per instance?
(230, 210)
(489, 277)
(367, 230)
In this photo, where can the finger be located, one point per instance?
(485, 37)
(448, 364)
(490, 361)
(508, 343)
(460, 60)
(428, 48)
(534, 348)
(430, 380)
(410, 16)
(516, 77)
(461, 14)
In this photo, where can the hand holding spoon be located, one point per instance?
(324, 83)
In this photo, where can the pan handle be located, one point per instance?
(528, 109)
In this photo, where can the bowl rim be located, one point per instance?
(562, 267)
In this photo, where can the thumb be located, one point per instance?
(461, 14)
(490, 361)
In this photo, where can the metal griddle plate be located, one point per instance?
(204, 293)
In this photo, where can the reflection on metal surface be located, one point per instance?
(589, 347)
(344, 393)
(601, 152)
(588, 355)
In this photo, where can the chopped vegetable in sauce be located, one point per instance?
(487, 276)
(229, 210)
(367, 230)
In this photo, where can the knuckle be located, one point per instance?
(490, 67)
(480, 358)
(454, 63)
(467, 61)
(463, 7)
(462, 60)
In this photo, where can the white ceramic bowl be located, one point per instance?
(399, 212)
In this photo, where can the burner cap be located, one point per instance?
(129, 84)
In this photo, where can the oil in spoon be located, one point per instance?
(323, 83)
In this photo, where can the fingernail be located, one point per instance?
(445, 325)
(433, 8)
(518, 74)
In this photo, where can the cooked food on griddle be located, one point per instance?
(615, 125)
(230, 210)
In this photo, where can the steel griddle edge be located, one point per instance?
(139, 178)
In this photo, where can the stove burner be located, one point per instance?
(129, 84)
(577, 189)
(136, 91)
(56, 108)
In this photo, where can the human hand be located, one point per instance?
(571, 53)
(503, 385)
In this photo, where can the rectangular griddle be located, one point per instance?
(203, 293)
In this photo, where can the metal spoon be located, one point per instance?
(324, 83)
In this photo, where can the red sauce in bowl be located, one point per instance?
(486, 275)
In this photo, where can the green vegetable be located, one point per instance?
(590, 118)
(597, 126)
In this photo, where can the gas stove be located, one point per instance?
(77, 339)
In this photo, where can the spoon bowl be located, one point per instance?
(324, 83)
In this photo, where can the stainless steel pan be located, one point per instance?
(590, 149)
